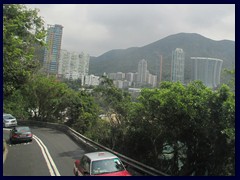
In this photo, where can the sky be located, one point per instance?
(98, 28)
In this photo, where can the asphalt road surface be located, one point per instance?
(51, 153)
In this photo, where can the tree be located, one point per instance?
(22, 29)
(47, 98)
(181, 129)
(82, 112)
(114, 103)
(228, 77)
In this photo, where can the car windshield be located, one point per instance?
(106, 166)
(8, 116)
(23, 129)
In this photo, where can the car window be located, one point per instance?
(8, 116)
(23, 129)
(107, 166)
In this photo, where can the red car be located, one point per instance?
(99, 164)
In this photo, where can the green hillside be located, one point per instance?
(126, 60)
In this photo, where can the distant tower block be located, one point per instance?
(158, 67)
(177, 65)
(207, 70)
(160, 72)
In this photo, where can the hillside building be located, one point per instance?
(207, 70)
(52, 51)
(177, 65)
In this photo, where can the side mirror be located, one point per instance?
(77, 162)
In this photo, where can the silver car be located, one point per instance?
(9, 120)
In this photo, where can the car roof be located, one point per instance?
(5, 114)
(100, 155)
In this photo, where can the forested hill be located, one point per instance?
(126, 60)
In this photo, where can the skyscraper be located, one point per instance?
(177, 65)
(142, 72)
(207, 70)
(52, 51)
(73, 65)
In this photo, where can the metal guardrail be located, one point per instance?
(147, 170)
(141, 168)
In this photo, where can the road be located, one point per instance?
(30, 159)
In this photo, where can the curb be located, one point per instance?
(5, 150)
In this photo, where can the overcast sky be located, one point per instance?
(96, 29)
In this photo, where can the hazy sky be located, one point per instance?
(98, 28)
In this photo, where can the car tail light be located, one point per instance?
(30, 135)
(15, 136)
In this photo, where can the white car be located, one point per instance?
(9, 120)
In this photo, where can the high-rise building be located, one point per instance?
(64, 64)
(207, 70)
(129, 76)
(83, 63)
(52, 51)
(120, 76)
(152, 80)
(177, 65)
(73, 65)
(158, 67)
(92, 80)
(112, 76)
(142, 72)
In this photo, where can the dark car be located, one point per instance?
(20, 134)
(99, 164)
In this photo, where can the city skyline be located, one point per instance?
(98, 28)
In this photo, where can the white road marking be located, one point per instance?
(50, 163)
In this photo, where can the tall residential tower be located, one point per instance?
(73, 65)
(142, 72)
(207, 70)
(52, 51)
(177, 66)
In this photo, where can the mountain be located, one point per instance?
(126, 60)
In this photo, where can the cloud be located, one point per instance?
(98, 28)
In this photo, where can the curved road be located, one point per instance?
(27, 159)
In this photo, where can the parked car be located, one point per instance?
(20, 134)
(99, 164)
(9, 120)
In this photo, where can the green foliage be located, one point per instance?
(15, 104)
(114, 103)
(228, 77)
(22, 29)
(178, 129)
(193, 120)
(73, 84)
(81, 111)
(47, 98)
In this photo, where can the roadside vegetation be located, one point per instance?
(180, 130)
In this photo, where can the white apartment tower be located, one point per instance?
(177, 65)
(142, 72)
(73, 65)
(207, 70)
